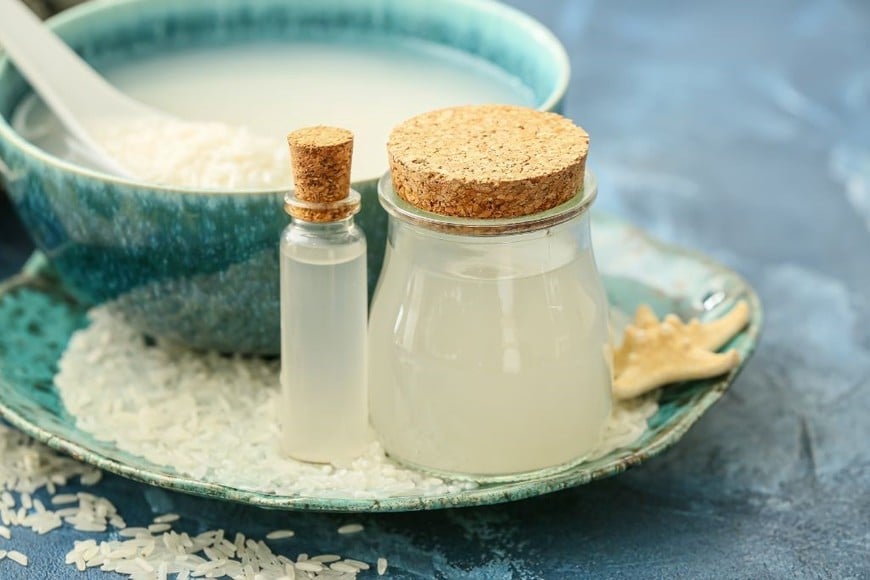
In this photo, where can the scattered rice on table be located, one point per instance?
(350, 529)
(167, 518)
(359, 564)
(27, 467)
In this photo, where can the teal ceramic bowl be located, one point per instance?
(202, 267)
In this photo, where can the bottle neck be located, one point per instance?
(336, 227)
(322, 212)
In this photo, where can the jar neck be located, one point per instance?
(512, 256)
(576, 230)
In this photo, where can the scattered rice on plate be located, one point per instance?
(212, 417)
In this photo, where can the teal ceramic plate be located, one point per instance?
(37, 318)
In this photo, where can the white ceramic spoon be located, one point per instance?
(81, 98)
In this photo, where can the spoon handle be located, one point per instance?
(77, 94)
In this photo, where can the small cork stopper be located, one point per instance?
(487, 161)
(320, 158)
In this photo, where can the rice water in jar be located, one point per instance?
(488, 332)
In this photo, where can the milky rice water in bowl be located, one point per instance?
(488, 331)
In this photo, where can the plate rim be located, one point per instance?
(33, 275)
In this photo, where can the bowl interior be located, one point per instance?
(106, 33)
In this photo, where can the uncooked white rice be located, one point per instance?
(357, 563)
(350, 529)
(27, 467)
(197, 154)
(255, 559)
(91, 478)
(309, 566)
(90, 527)
(280, 534)
(221, 387)
(123, 391)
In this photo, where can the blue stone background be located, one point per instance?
(741, 130)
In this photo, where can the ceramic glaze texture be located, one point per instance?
(203, 268)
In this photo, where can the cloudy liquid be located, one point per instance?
(271, 88)
(323, 352)
(496, 365)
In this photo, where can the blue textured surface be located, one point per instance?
(743, 130)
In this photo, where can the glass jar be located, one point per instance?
(489, 342)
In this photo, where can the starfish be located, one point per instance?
(654, 354)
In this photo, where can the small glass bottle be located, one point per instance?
(323, 304)
(488, 331)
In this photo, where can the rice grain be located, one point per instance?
(64, 498)
(350, 529)
(357, 563)
(167, 518)
(307, 566)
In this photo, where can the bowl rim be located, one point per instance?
(534, 27)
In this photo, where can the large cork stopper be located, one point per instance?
(487, 161)
(321, 159)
